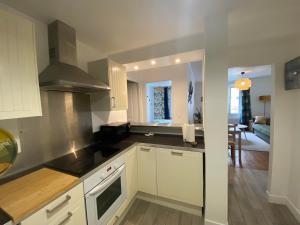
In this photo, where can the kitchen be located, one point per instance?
(64, 173)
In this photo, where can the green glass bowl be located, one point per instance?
(8, 150)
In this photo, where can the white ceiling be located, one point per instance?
(186, 57)
(114, 25)
(250, 72)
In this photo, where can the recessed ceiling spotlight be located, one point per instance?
(153, 62)
(177, 60)
(136, 67)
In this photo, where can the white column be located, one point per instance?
(215, 119)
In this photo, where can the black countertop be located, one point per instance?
(83, 161)
(165, 139)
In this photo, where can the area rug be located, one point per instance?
(254, 143)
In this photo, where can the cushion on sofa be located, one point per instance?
(260, 120)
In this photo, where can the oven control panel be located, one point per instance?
(103, 172)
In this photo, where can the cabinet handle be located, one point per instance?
(51, 211)
(116, 221)
(113, 99)
(177, 153)
(145, 149)
(66, 219)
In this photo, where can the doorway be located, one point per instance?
(249, 110)
(133, 112)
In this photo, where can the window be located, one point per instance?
(159, 102)
(234, 101)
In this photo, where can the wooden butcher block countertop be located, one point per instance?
(26, 195)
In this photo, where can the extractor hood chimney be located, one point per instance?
(63, 74)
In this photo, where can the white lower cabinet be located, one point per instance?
(180, 176)
(68, 209)
(147, 169)
(131, 173)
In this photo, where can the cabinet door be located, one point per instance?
(131, 173)
(147, 170)
(180, 175)
(19, 87)
(118, 84)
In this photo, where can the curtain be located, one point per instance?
(246, 114)
(158, 104)
(162, 103)
(166, 103)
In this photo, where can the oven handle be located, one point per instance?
(107, 182)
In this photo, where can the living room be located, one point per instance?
(249, 107)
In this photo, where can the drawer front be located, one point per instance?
(73, 216)
(62, 204)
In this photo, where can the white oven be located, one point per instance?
(105, 191)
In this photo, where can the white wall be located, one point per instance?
(178, 75)
(294, 181)
(215, 120)
(260, 86)
(86, 54)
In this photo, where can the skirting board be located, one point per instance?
(170, 203)
(210, 222)
(283, 200)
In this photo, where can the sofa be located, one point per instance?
(262, 130)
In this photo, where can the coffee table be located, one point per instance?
(243, 128)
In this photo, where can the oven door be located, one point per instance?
(103, 201)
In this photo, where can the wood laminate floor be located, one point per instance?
(252, 160)
(146, 213)
(248, 204)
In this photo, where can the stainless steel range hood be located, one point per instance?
(63, 74)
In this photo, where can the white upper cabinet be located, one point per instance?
(19, 86)
(115, 76)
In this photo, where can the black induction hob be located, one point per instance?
(83, 161)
